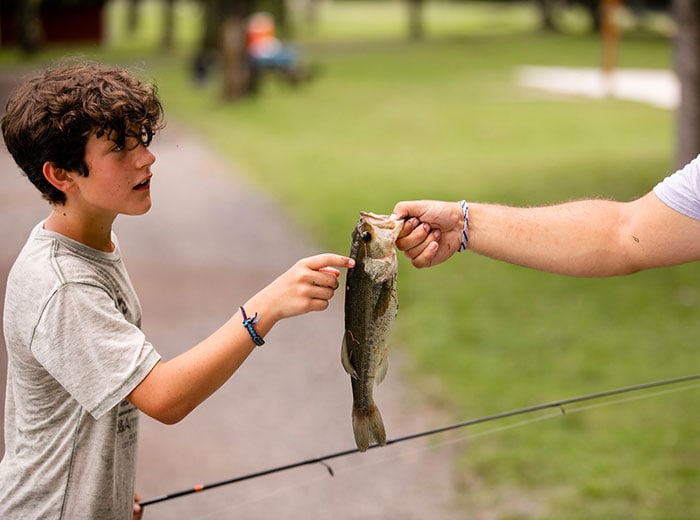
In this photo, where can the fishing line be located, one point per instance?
(470, 436)
(561, 404)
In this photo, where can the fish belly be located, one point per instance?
(368, 322)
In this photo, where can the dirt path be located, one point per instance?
(208, 243)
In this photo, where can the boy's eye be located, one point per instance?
(118, 148)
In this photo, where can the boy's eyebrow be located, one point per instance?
(110, 138)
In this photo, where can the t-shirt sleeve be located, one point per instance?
(87, 345)
(681, 191)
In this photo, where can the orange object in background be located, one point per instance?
(261, 39)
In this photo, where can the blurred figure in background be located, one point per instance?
(268, 53)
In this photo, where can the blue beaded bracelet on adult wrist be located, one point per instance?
(249, 324)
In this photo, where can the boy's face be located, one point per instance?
(119, 177)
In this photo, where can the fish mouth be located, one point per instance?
(382, 221)
(392, 225)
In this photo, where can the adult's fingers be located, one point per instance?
(425, 257)
(414, 238)
(408, 226)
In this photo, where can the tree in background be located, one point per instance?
(224, 41)
(133, 19)
(236, 66)
(132, 16)
(28, 25)
(168, 24)
(686, 14)
(415, 19)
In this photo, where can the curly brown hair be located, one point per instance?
(50, 117)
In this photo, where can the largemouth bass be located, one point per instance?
(371, 305)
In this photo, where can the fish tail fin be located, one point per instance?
(368, 427)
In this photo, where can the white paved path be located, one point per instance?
(655, 87)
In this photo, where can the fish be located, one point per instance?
(371, 306)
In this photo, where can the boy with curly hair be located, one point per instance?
(79, 367)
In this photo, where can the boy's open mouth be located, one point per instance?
(143, 185)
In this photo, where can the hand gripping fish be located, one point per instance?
(370, 308)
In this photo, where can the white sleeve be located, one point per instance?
(681, 191)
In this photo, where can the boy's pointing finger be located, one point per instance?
(325, 260)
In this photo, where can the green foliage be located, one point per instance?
(386, 120)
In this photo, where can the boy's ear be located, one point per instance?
(59, 178)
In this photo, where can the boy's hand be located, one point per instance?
(138, 510)
(307, 286)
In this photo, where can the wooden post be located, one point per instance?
(686, 14)
(236, 69)
(611, 40)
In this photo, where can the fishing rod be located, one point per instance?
(470, 422)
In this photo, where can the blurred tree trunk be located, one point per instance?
(132, 16)
(546, 9)
(238, 77)
(686, 14)
(29, 25)
(310, 15)
(610, 31)
(208, 53)
(212, 20)
(224, 43)
(594, 8)
(168, 24)
(415, 19)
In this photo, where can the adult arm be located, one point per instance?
(174, 388)
(592, 238)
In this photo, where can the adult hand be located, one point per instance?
(432, 232)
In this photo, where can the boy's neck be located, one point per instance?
(93, 234)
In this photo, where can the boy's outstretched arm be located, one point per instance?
(174, 388)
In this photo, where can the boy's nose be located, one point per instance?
(146, 157)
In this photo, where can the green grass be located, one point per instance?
(388, 120)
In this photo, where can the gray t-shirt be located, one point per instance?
(75, 352)
(681, 191)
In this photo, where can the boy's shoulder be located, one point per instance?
(51, 258)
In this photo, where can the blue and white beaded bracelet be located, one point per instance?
(465, 237)
(249, 324)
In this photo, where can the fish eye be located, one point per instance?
(366, 236)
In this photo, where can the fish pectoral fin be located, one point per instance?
(345, 357)
(382, 369)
